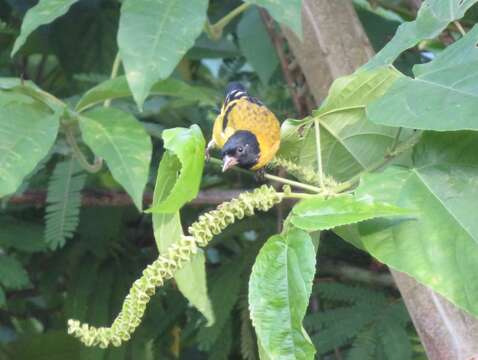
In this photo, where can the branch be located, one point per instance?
(278, 41)
(115, 198)
(354, 273)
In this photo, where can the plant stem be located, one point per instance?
(114, 73)
(460, 28)
(396, 140)
(71, 140)
(298, 195)
(214, 31)
(319, 153)
(389, 156)
(273, 178)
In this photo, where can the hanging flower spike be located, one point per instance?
(303, 173)
(164, 267)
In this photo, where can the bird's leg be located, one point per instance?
(211, 145)
(260, 175)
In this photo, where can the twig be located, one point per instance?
(273, 178)
(459, 27)
(354, 273)
(389, 156)
(71, 140)
(94, 198)
(278, 43)
(114, 73)
(214, 31)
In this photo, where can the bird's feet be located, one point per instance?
(209, 147)
(260, 175)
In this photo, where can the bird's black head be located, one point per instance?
(240, 149)
(234, 86)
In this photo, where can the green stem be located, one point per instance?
(396, 140)
(297, 195)
(460, 28)
(273, 178)
(114, 73)
(71, 140)
(389, 156)
(214, 31)
(319, 153)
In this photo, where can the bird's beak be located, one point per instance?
(228, 162)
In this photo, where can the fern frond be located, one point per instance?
(364, 346)
(349, 294)
(64, 201)
(338, 326)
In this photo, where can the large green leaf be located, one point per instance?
(287, 12)
(440, 247)
(324, 214)
(122, 141)
(443, 96)
(350, 143)
(185, 155)
(191, 278)
(432, 18)
(256, 45)
(12, 273)
(153, 36)
(43, 13)
(27, 132)
(29, 88)
(118, 88)
(279, 290)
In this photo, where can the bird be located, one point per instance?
(245, 130)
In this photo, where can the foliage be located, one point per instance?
(361, 321)
(134, 85)
(64, 201)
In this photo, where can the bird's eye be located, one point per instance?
(240, 149)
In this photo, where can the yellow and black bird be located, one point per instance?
(246, 130)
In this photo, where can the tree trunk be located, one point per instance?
(335, 44)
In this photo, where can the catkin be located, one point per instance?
(165, 266)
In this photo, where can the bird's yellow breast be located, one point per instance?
(244, 114)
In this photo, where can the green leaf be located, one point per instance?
(279, 290)
(27, 132)
(442, 97)
(52, 345)
(122, 141)
(432, 18)
(28, 88)
(12, 274)
(153, 36)
(287, 12)
(350, 143)
(118, 88)
(21, 235)
(63, 202)
(186, 156)
(256, 45)
(324, 214)
(191, 278)
(440, 248)
(43, 13)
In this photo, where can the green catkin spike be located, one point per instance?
(303, 173)
(165, 266)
